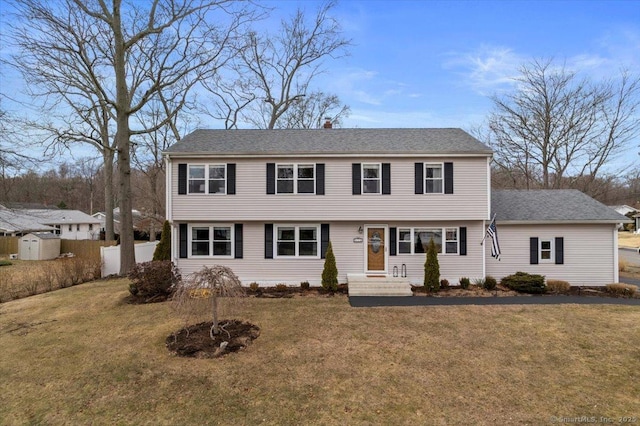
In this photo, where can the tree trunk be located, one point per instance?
(127, 251)
(109, 231)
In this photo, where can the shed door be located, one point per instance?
(29, 249)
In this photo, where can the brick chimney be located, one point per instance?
(327, 123)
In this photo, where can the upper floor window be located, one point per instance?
(207, 179)
(433, 183)
(295, 179)
(371, 179)
(91, 227)
(434, 178)
(70, 227)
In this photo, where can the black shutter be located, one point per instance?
(448, 178)
(419, 178)
(319, 179)
(533, 251)
(268, 240)
(231, 179)
(356, 176)
(182, 179)
(559, 251)
(393, 241)
(237, 236)
(324, 239)
(183, 231)
(463, 241)
(271, 178)
(386, 178)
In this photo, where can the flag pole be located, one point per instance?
(485, 233)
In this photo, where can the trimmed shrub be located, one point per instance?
(444, 283)
(490, 283)
(254, 287)
(153, 279)
(465, 283)
(479, 282)
(163, 249)
(432, 268)
(330, 271)
(525, 283)
(625, 290)
(558, 286)
(281, 287)
(304, 285)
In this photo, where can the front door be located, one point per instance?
(376, 250)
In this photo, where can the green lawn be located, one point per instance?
(82, 356)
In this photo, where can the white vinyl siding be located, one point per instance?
(469, 202)
(588, 253)
(253, 267)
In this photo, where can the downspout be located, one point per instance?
(616, 277)
(484, 221)
(168, 205)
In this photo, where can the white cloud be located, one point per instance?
(486, 69)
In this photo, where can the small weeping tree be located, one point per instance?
(199, 294)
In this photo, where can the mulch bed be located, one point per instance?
(500, 291)
(195, 341)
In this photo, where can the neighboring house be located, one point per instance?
(16, 224)
(267, 202)
(624, 210)
(68, 224)
(146, 224)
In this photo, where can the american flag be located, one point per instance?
(492, 232)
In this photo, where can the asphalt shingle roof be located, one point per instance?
(558, 205)
(329, 141)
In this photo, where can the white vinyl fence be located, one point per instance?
(111, 256)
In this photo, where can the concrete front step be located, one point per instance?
(362, 285)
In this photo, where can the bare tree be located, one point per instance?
(199, 294)
(311, 111)
(273, 72)
(557, 130)
(136, 51)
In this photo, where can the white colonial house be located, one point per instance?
(267, 202)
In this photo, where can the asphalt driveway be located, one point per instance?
(373, 301)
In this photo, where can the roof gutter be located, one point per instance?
(171, 155)
(561, 222)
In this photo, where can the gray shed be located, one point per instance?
(39, 246)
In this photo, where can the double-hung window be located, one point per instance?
(433, 178)
(211, 240)
(297, 241)
(295, 179)
(371, 178)
(207, 179)
(416, 240)
(546, 250)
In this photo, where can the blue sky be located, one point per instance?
(435, 63)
